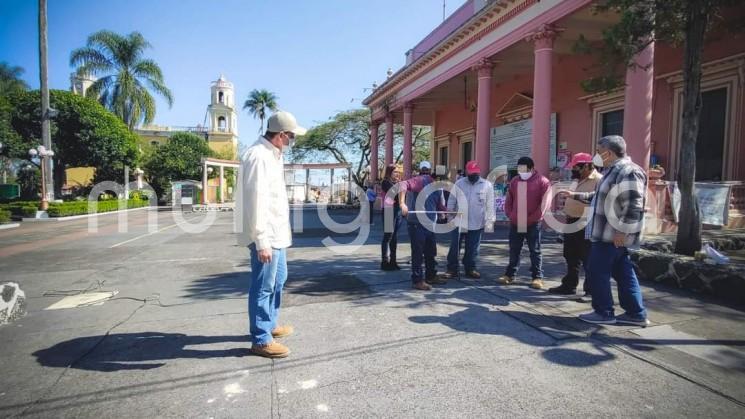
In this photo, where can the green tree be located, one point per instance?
(258, 103)
(345, 138)
(686, 22)
(179, 159)
(10, 79)
(125, 77)
(84, 133)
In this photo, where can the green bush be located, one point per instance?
(4, 216)
(21, 208)
(67, 209)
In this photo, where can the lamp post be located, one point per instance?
(43, 153)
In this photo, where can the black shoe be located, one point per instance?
(394, 265)
(562, 290)
(386, 266)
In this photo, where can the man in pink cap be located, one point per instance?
(476, 205)
(576, 247)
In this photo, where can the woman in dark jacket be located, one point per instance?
(390, 240)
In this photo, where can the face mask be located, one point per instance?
(473, 178)
(525, 176)
(575, 174)
(597, 160)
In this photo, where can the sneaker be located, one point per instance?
(395, 266)
(422, 286)
(273, 349)
(625, 318)
(473, 274)
(506, 280)
(536, 284)
(595, 318)
(282, 331)
(562, 290)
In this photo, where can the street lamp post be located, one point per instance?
(43, 153)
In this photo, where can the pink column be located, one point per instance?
(543, 43)
(374, 152)
(483, 114)
(637, 110)
(408, 128)
(388, 139)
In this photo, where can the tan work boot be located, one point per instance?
(282, 331)
(506, 280)
(422, 286)
(273, 349)
(536, 284)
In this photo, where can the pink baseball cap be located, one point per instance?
(580, 158)
(472, 168)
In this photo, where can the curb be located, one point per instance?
(9, 226)
(77, 217)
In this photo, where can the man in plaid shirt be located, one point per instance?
(614, 225)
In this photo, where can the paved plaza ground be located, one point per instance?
(172, 342)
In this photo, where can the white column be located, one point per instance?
(204, 183)
(222, 184)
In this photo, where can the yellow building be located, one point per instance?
(221, 132)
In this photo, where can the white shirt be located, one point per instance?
(262, 209)
(480, 199)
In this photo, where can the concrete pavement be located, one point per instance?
(172, 342)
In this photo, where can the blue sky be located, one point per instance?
(316, 56)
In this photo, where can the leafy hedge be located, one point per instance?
(21, 208)
(67, 209)
(4, 216)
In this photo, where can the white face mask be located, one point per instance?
(525, 176)
(597, 160)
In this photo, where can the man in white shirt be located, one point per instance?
(263, 224)
(477, 214)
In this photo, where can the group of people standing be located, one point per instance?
(604, 218)
(605, 214)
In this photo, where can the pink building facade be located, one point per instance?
(499, 79)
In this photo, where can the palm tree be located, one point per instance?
(258, 102)
(125, 77)
(10, 79)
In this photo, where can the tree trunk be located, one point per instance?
(689, 222)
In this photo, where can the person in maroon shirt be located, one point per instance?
(525, 206)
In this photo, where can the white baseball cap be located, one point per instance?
(425, 165)
(283, 121)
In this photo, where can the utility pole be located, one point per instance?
(46, 135)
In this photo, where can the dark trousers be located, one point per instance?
(576, 251)
(472, 241)
(533, 237)
(390, 240)
(608, 261)
(423, 249)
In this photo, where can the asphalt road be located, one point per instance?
(172, 341)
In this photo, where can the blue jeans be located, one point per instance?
(423, 249)
(265, 294)
(390, 240)
(533, 237)
(473, 242)
(606, 261)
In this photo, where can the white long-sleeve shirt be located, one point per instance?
(479, 197)
(262, 210)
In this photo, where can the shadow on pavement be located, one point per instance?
(135, 351)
